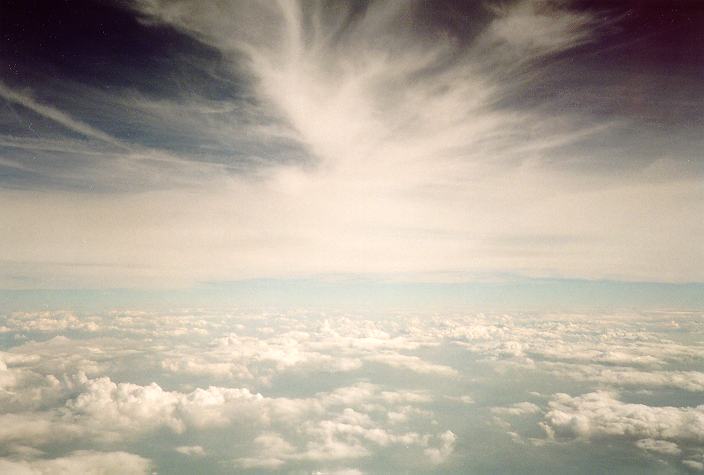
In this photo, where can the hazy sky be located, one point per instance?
(158, 144)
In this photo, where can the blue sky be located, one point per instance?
(153, 146)
(373, 296)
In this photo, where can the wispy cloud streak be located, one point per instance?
(375, 141)
(56, 115)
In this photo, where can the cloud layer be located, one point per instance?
(300, 391)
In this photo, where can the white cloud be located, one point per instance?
(191, 450)
(271, 450)
(529, 29)
(348, 422)
(126, 408)
(694, 465)
(465, 399)
(601, 414)
(49, 321)
(608, 349)
(412, 363)
(659, 446)
(342, 471)
(56, 115)
(629, 377)
(220, 375)
(447, 446)
(83, 461)
(517, 409)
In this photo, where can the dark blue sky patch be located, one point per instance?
(104, 45)
(644, 63)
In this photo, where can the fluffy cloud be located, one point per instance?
(412, 363)
(323, 392)
(694, 465)
(49, 321)
(87, 462)
(601, 414)
(629, 377)
(342, 424)
(517, 409)
(447, 446)
(191, 450)
(659, 446)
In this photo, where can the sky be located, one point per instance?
(156, 145)
(347, 238)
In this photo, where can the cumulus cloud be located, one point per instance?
(191, 450)
(447, 446)
(342, 471)
(412, 363)
(341, 424)
(630, 377)
(271, 450)
(517, 409)
(659, 446)
(694, 465)
(82, 461)
(602, 414)
(323, 391)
